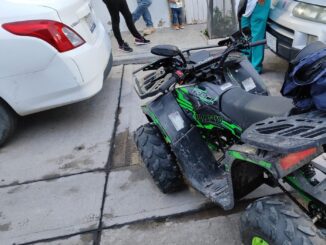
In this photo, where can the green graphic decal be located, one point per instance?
(206, 118)
(239, 156)
(202, 95)
(205, 121)
(258, 241)
(235, 130)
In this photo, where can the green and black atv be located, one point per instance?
(213, 125)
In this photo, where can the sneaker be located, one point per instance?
(181, 27)
(153, 30)
(141, 41)
(175, 27)
(125, 48)
(149, 30)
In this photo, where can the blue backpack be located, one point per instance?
(305, 81)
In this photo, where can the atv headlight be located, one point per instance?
(310, 12)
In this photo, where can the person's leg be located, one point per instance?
(124, 9)
(142, 10)
(149, 23)
(258, 23)
(139, 11)
(174, 12)
(113, 7)
(180, 17)
(146, 14)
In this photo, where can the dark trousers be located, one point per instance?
(114, 7)
(177, 16)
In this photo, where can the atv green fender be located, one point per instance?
(195, 159)
(250, 155)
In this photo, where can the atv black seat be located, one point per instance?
(199, 56)
(246, 109)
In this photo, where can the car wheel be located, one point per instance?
(277, 220)
(158, 159)
(8, 122)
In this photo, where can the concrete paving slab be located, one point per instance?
(130, 118)
(274, 69)
(217, 230)
(84, 239)
(49, 209)
(131, 196)
(131, 115)
(191, 36)
(63, 141)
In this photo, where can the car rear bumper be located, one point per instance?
(72, 93)
(69, 77)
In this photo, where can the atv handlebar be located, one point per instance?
(167, 84)
(258, 43)
(176, 77)
(181, 71)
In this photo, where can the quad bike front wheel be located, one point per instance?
(278, 221)
(158, 159)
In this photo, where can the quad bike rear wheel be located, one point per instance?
(278, 221)
(158, 159)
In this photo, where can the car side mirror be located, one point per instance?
(165, 50)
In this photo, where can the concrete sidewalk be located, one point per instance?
(73, 176)
(191, 36)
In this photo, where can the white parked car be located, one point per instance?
(52, 53)
(294, 24)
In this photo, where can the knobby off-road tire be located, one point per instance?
(278, 221)
(8, 123)
(158, 159)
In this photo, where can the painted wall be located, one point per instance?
(195, 12)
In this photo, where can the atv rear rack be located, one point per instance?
(288, 134)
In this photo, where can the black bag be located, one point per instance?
(305, 81)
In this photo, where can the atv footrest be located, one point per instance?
(201, 169)
(288, 134)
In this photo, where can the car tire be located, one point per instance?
(277, 220)
(8, 123)
(158, 159)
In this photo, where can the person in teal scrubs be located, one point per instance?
(257, 23)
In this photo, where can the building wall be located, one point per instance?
(195, 12)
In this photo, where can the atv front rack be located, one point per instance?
(149, 85)
(288, 134)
